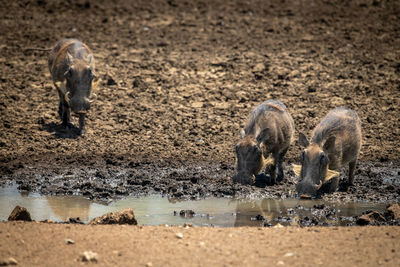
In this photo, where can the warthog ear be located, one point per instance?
(303, 141)
(242, 133)
(329, 143)
(331, 174)
(296, 169)
(69, 58)
(89, 58)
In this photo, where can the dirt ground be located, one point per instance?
(36, 244)
(177, 81)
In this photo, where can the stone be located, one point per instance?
(122, 217)
(69, 241)
(187, 225)
(20, 214)
(89, 256)
(259, 67)
(179, 235)
(187, 213)
(370, 218)
(9, 261)
(393, 212)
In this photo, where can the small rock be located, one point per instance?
(278, 225)
(259, 67)
(187, 225)
(202, 244)
(179, 235)
(186, 213)
(75, 220)
(393, 212)
(149, 264)
(116, 252)
(280, 263)
(9, 261)
(370, 218)
(197, 104)
(122, 217)
(111, 81)
(69, 241)
(20, 214)
(289, 254)
(89, 256)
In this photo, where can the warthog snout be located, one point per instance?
(307, 189)
(80, 105)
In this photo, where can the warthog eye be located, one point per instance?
(302, 156)
(323, 159)
(68, 73)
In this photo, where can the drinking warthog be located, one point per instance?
(71, 65)
(335, 142)
(269, 130)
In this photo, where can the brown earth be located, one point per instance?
(42, 244)
(177, 81)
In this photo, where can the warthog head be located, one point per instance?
(79, 77)
(314, 171)
(250, 160)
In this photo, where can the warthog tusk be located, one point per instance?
(66, 99)
(319, 185)
(92, 100)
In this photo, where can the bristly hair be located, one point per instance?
(336, 121)
(273, 105)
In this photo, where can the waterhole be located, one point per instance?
(218, 212)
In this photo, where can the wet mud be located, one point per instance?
(177, 80)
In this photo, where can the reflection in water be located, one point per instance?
(70, 207)
(155, 210)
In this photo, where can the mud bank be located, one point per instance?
(374, 182)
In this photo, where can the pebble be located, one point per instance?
(89, 256)
(187, 225)
(280, 263)
(149, 264)
(69, 241)
(289, 254)
(179, 235)
(9, 261)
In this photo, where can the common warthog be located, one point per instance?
(268, 131)
(335, 142)
(71, 65)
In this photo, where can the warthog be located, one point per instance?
(71, 65)
(335, 142)
(268, 131)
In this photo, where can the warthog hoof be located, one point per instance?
(244, 179)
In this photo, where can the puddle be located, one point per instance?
(219, 212)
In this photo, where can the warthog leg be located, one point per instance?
(82, 123)
(63, 108)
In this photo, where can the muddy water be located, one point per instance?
(220, 212)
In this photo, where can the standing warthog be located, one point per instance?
(71, 65)
(269, 130)
(335, 142)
